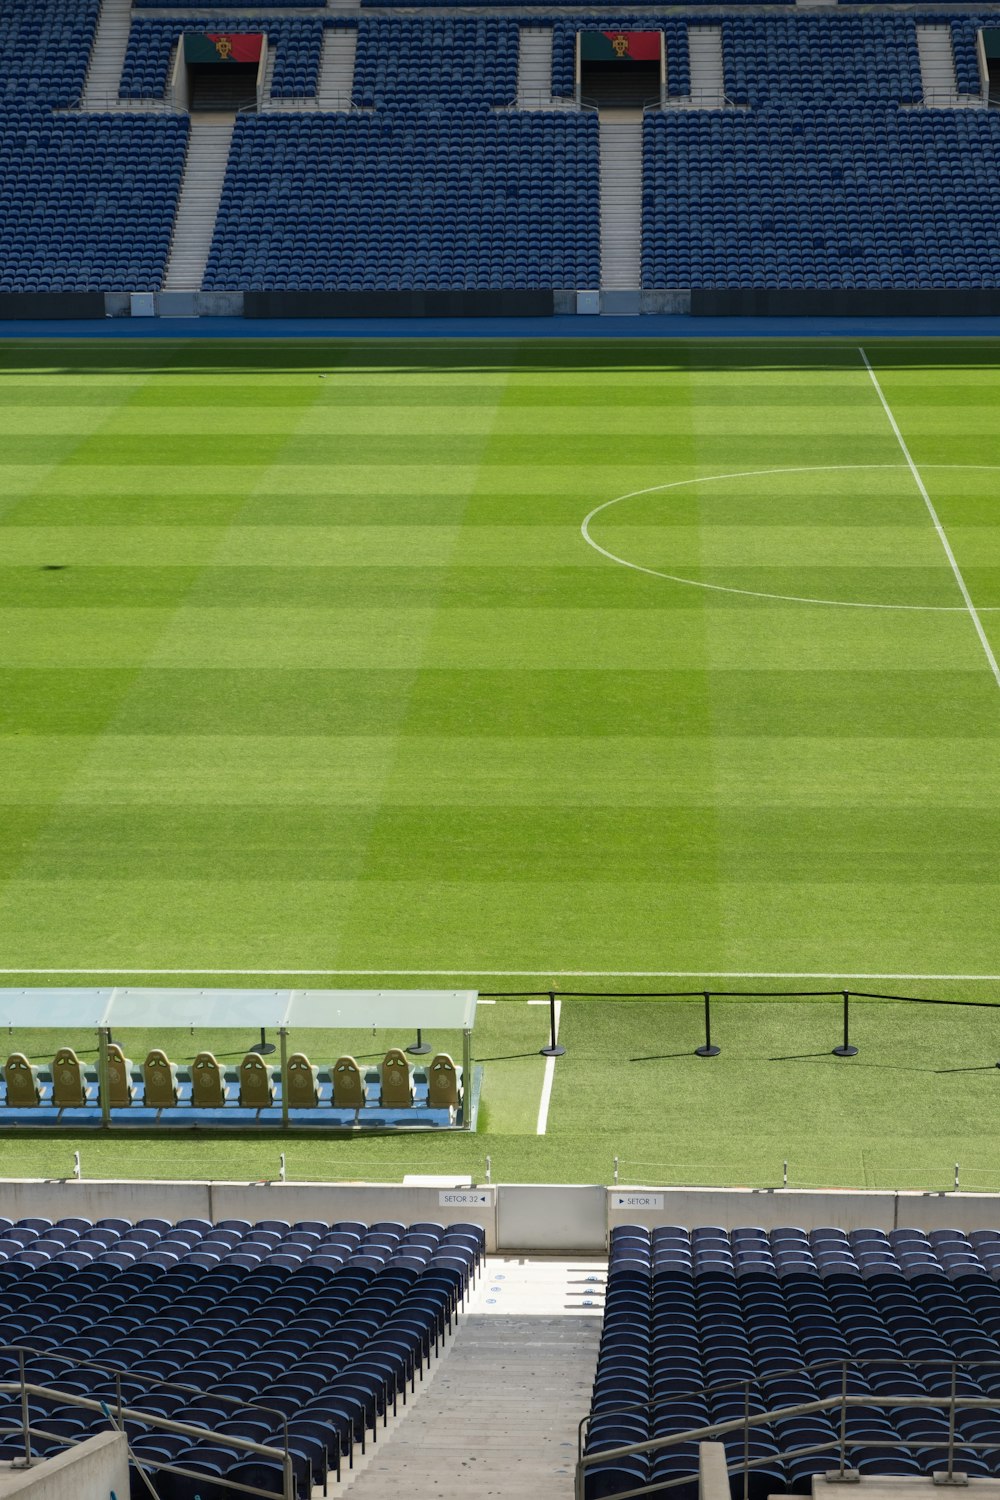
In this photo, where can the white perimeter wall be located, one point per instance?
(547, 1218)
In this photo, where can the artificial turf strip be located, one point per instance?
(305, 664)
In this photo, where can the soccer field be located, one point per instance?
(312, 664)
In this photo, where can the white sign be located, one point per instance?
(464, 1198)
(637, 1200)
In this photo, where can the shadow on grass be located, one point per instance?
(507, 1057)
(662, 1056)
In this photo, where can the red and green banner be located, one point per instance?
(619, 46)
(223, 47)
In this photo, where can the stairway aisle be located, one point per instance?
(198, 205)
(534, 67)
(336, 67)
(500, 1417)
(621, 200)
(107, 55)
(708, 87)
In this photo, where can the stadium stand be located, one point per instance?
(409, 198)
(239, 1329)
(702, 1325)
(44, 48)
(296, 42)
(459, 63)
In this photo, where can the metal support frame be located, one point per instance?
(103, 1080)
(283, 1040)
(467, 1080)
(419, 1048)
(263, 1048)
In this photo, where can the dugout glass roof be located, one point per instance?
(327, 1010)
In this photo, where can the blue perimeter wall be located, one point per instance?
(648, 326)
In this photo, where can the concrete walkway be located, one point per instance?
(498, 1416)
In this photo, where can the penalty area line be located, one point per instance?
(548, 1079)
(942, 535)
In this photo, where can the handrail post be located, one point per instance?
(845, 1049)
(746, 1440)
(25, 1419)
(843, 1419)
(706, 1049)
(951, 1423)
(103, 1078)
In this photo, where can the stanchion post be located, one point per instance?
(707, 1050)
(845, 1049)
(263, 1048)
(553, 1049)
(419, 1048)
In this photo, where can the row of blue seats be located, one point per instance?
(450, 60)
(870, 198)
(347, 201)
(230, 1327)
(44, 48)
(87, 201)
(701, 1326)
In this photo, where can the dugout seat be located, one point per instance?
(121, 1089)
(23, 1091)
(301, 1082)
(208, 1087)
(256, 1083)
(396, 1082)
(159, 1077)
(69, 1087)
(443, 1087)
(348, 1085)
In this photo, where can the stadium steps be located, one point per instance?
(107, 55)
(937, 70)
(534, 67)
(500, 1418)
(621, 199)
(708, 87)
(336, 68)
(198, 205)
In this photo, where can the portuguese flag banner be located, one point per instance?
(619, 46)
(216, 47)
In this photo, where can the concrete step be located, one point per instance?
(499, 1417)
(198, 204)
(107, 55)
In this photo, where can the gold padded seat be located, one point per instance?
(208, 1087)
(348, 1085)
(21, 1078)
(443, 1087)
(160, 1089)
(256, 1083)
(121, 1089)
(69, 1087)
(301, 1082)
(396, 1082)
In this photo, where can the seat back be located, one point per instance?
(69, 1091)
(300, 1082)
(208, 1091)
(442, 1083)
(121, 1089)
(256, 1083)
(397, 1088)
(348, 1084)
(22, 1082)
(159, 1081)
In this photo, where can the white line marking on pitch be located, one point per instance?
(547, 1081)
(720, 588)
(518, 974)
(942, 538)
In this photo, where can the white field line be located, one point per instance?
(547, 1081)
(511, 974)
(942, 537)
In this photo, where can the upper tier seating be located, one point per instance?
(87, 201)
(820, 59)
(687, 1311)
(296, 41)
(401, 199)
(44, 49)
(326, 1324)
(454, 62)
(869, 197)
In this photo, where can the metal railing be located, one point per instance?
(120, 1413)
(846, 1400)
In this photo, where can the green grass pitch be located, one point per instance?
(306, 665)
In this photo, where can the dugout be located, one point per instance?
(302, 1020)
